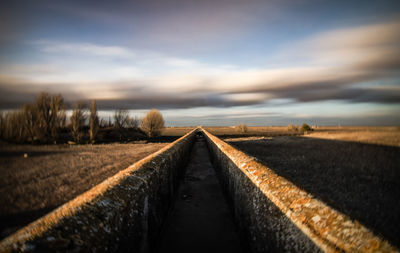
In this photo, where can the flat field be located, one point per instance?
(389, 136)
(51, 175)
(226, 132)
(343, 168)
(176, 131)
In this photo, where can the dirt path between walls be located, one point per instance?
(200, 220)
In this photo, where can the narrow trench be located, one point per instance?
(200, 220)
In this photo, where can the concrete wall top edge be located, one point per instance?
(45, 223)
(329, 229)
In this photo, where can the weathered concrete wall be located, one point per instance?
(276, 216)
(125, 212)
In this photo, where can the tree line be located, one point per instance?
(45, 121)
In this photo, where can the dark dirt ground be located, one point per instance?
(51, 175)
(361, 180)
(200, 220)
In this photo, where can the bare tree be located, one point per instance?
(40, 120)
(132, 122)
(242, 128)
(103, 123)
(153, 123)
(58, 115)
(121, 121)
(93, 122)
(43, 127)
(121, 118)
(292, 128)
(2, 125)
(78, 119)
(14, 129)
(51, 115)
(19, 126)
(31, 120)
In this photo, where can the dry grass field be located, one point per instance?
(374, 135)
(51, 175)
(343, 168)
(176, 131)
(226, 132)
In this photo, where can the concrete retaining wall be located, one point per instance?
(276, 216)
(125, 212)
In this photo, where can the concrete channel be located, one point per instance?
(200, 220)
(226, 202)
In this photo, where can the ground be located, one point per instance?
(200, 220)
(389, 136)
(35, 179)
(252, 131)
(353, 169)
(343, 169)
(176, 131)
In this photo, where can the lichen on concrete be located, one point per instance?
(124, 212)
(277, 215)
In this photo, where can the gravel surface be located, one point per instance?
(36, 179)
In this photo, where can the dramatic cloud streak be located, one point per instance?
(335, 61)
(82, 48)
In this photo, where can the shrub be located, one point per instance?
(306, 128)
(12, 126)
(104, 123)
(2, 125)
(39, 121)
(132, 122)
(241, 128)
(292, 128)
(78, 119)
(19, 127)
(152, 123)
(5, 131)
(14, 129)
(93, 122)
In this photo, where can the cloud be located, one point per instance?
(82, 48)
(170, 21)
(367, 36)
(14, 92)
(333, 62)
(345, 64)
(109, 96)
(371, 47)
(351, 95)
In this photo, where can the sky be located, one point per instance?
(209, 62)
